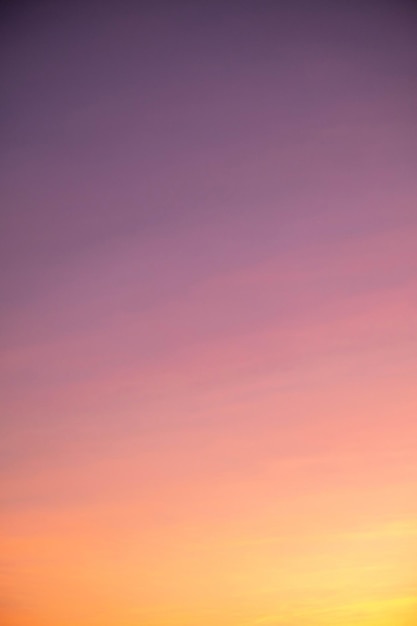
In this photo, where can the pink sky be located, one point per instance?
(209, 345)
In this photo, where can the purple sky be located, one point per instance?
(208, 273)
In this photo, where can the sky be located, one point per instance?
(208, 314)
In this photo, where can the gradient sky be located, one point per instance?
(209, 314)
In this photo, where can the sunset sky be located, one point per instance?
(208, 313)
